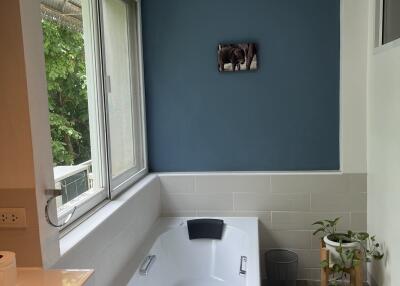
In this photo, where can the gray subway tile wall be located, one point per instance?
(272, 202)
(286, 205)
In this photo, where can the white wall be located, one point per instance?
(23, 136)
(40, 129)
(353, 84)
(109, 241)
(384, 156)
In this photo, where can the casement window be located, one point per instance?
(387, 21)
(94, 75)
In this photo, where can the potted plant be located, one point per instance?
(346, 250)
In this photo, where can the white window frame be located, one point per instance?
(129, 177)
(87, 205)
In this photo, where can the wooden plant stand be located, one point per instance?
(356, 272)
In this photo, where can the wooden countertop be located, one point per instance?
(52, 277)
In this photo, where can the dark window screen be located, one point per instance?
(391, 21)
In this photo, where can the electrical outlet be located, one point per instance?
(12, 218)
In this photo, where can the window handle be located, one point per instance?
(54, 193)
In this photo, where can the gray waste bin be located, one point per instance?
(281, 267)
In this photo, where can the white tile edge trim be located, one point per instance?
(219, 173)
(79, 233)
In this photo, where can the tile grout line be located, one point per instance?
(270, 220)
(270, 184)
(350, 220)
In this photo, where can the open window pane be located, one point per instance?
(70, 49)
(123, 99)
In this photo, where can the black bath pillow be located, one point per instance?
(205, 228)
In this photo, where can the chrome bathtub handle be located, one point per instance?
(146, 264)
(243, 266)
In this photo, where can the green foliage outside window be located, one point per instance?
(67, 90)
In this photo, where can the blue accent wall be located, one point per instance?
(285, 116)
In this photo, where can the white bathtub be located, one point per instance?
(201, 262)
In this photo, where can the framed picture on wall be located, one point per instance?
(237, 57)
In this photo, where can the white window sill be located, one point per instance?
(386, 47)
(80, 232)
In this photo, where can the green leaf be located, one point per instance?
(318, 223)
(362, 235)
(377, 255)
(337, 268)
(330, 222)
(324, 263)
(321, 229)
(356, 262)
(67, 90)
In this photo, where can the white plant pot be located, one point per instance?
(334, 256)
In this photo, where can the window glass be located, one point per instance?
(95, 99)
(122, 68)
(391, 21)
(75, 125)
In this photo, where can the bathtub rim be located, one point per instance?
(247, 224)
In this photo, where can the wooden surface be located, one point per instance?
(324, 255)
(41, 277)
(356, 272)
